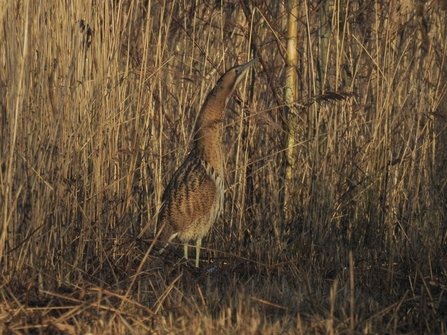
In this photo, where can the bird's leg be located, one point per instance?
(198, 245)
(185, 250)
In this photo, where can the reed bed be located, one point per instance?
(335, 204)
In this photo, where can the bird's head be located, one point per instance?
(233, 76)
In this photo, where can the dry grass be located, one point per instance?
(96, 115)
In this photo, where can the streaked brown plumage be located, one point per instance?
(193, 199)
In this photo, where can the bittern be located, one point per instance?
(193, 199)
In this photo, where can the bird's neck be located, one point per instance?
(208, 132)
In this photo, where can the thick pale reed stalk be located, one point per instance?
(290, 97)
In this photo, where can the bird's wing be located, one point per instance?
(189, 196)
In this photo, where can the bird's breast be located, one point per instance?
(218, 177)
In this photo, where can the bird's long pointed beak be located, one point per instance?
(244, 67)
